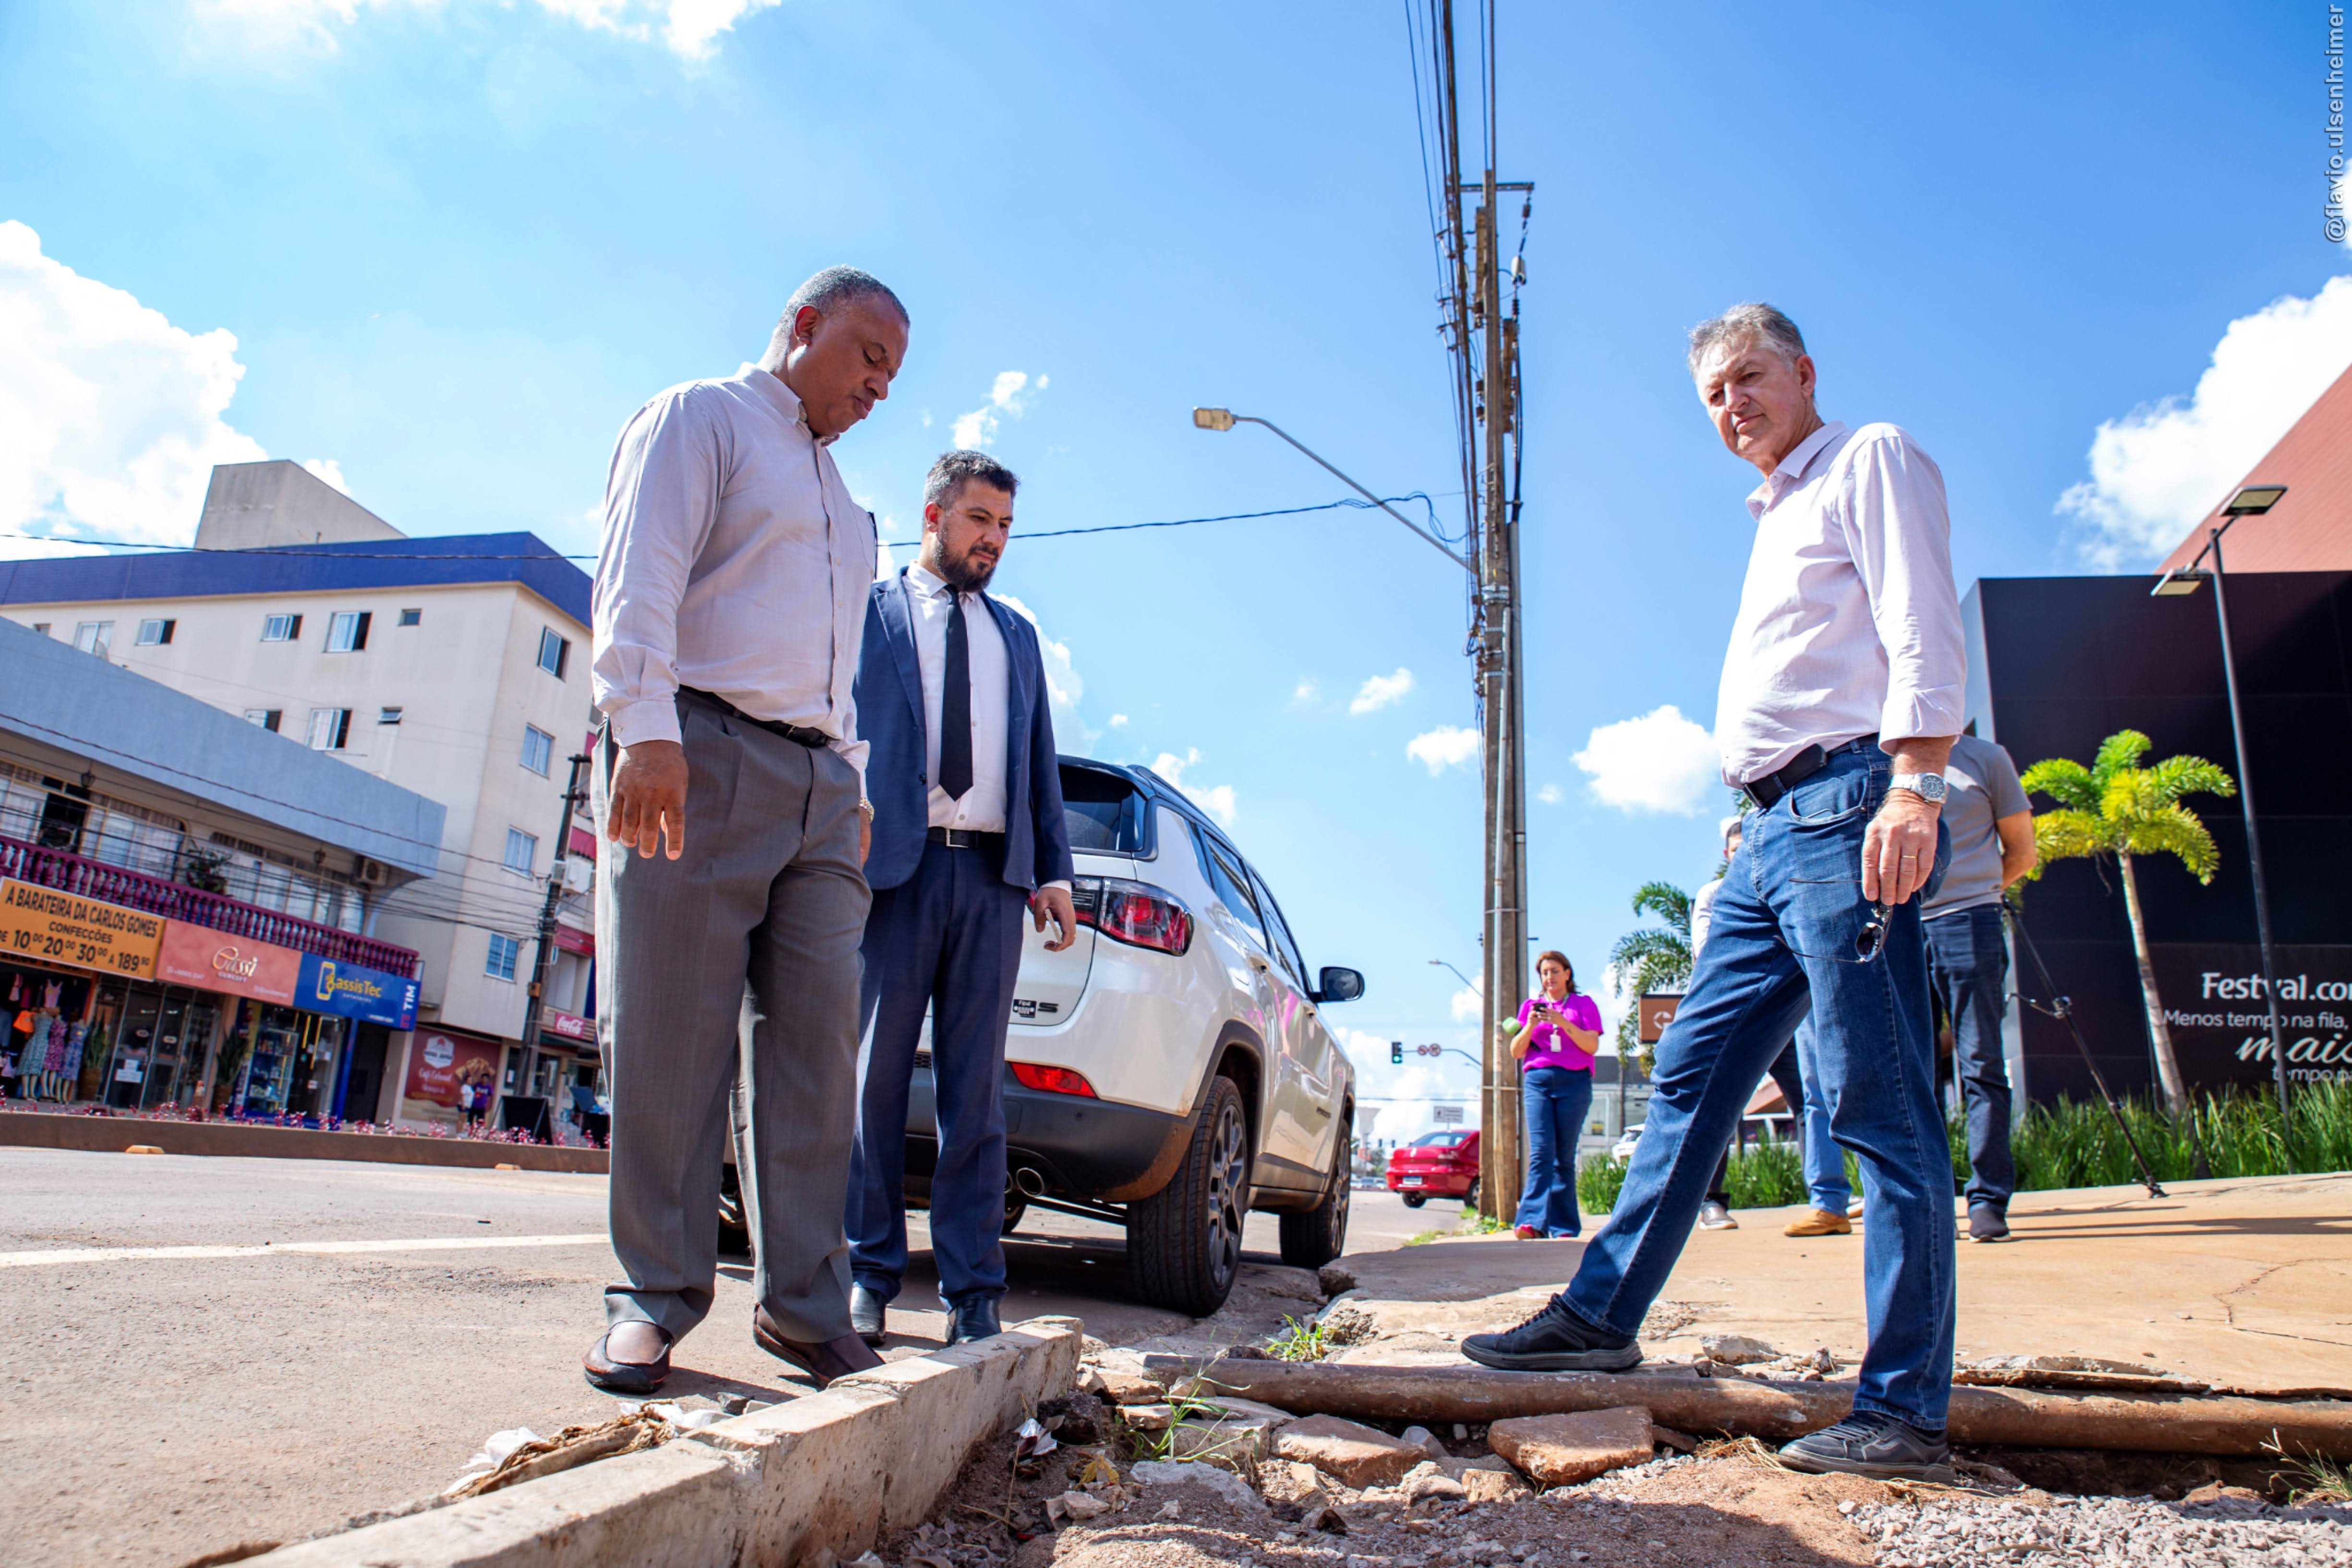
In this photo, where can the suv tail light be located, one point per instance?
(1136, 913)
(1053, 1080)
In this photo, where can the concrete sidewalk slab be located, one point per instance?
(835, 1470)
(2240, 1283)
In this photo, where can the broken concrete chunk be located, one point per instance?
(1147, 1417)
(1335, 1278)
(1290, 1481)
(1562, 1450)
(1668, 1438)
(1494, 1486)
(1346, 1321)
(1128, 1388)
(1355, 1455)
(1234, 1438)
(1738, 1350)
(1082, 1505)
(1426, 1439)
(1176, 1472)
(1427, 1483)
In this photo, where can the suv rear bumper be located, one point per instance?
(1083, 1147)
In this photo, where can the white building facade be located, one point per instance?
(454, 667)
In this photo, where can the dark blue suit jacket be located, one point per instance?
(889, 695)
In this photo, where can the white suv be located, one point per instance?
(1169, 1071)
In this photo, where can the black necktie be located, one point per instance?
(955, 707)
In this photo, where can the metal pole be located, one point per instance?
(2254, 843)
(572, 795)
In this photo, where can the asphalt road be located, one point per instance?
(204, 1352)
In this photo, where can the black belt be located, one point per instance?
(815, 739)
(1766, 790)
(956, 838)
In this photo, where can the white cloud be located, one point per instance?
(1405, 1098)
(113, 415)
(1063, 686)
(1660, 762)
(1119, 721)
(327, 469)
(2159, 469)
(1217, 800)
(1469, 1004)
(1447, 746)
(690, 27)
(1009, 398)
(1380, 691)
(1550, 795)
(1306, 691)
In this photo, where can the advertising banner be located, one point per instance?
(567, 1026)
(440, 1061)
(2215, 1007)
(348, 990)
(212, 960)
(47, 926)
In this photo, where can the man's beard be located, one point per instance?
(968, 575)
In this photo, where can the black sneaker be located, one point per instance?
(1554, 1340)
(1986, 1223)
(1878, 1446)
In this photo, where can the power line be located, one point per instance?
(332, 553)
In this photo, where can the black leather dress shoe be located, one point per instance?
(867, 1314)
(824, 1362)
(973, 1318)
(626, 1376)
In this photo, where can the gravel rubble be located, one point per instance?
(1961, 1531)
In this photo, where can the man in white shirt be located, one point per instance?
(1841, 693)
(968, 828)
(730, 601)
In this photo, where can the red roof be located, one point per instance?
(2310, 530)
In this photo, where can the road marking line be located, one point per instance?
(307, 1248)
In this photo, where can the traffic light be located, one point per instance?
(1396, 1053)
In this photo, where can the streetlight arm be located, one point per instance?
(1435, 543)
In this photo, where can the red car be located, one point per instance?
(1443, 1163)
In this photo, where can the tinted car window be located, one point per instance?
(1438, 1140)
(1232, 887)
(1284, 947)
(1105, 811)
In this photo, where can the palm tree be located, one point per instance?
(2116, 807)
(1650, 958)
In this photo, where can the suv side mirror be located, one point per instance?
(1338, 985)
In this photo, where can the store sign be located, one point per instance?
(440, 1062)
(2217, 1011)
(48, 926)
(566, 1025)
(212, 960)
(571, 939)
(348, 990)
(1655, 1011)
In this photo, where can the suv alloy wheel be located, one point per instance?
(1185, 1242)
(1313, 1238)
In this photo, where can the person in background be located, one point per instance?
(1824, 1162)
(969, 831)
(1843, 686)
(1557, 1033)
(1967, 960)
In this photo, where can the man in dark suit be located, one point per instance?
(968, 827)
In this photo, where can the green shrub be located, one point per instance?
(1598, 1180)
(1766, 1175)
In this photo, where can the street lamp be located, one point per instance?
(2251, 500)
(1225, 420)
(1440, 963)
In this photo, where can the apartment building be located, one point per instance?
(455, 667)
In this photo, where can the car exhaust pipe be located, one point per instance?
(1029, 1183)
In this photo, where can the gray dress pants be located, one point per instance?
(740, 956)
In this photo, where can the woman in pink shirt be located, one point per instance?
(1557, 1033)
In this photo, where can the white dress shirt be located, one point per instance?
(929, 600)
(734, 561)
(1848, 624)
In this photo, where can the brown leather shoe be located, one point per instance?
(1818, 1222)
(626, 1376)
(826, 1363)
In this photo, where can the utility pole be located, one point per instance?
(1481, 335)
(574, 792)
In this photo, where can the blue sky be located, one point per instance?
(454, 244)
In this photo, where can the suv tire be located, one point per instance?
(1184, 1241)
(1313, 1238)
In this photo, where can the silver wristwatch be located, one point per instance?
(1929, 787)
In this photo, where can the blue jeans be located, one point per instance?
(1783, 937)
(1967, 963)
(1825, 1183)
(1555, 1100)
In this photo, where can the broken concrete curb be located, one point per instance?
(836, 1471)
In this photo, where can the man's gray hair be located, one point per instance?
(1766, 323)
(831, 289)
(948, 474)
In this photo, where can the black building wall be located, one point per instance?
(2058, 663)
